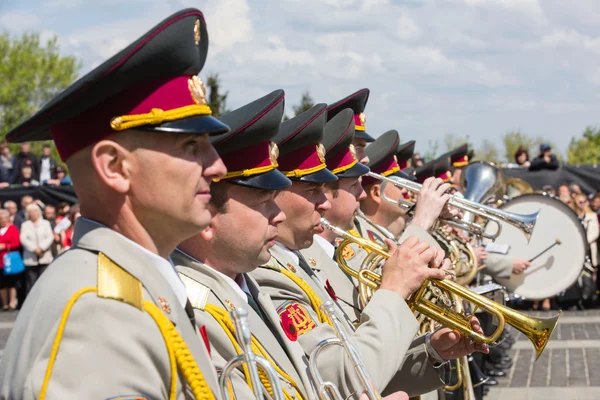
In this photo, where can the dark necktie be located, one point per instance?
(304, 265)
(189, 310)
(252, 303)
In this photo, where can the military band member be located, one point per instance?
(297, 296)
(459, 157)
(108, 317)
(357, 102)
(214, 264)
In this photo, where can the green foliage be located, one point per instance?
(306, 103)
(216, 100)
(31, 73)
(585, 150)
(432, 149)
(488, 152)
(514, 140)
(452, 141)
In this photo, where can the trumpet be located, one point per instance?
(250, 360)
(524, 222)
(537, 330)
(327, 389)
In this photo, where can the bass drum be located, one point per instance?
(557, 268)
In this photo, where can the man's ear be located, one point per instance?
(375, 193)
(113, 165)
(208, 233)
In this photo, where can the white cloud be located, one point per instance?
(63, 4)
(20, 21)
(571, 39)
(532, 8)
(229, 23)
(407, 29)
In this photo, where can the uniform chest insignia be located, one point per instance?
(164, 304)
(312, 261)
(348, 253)
(230, 304)
(291, 267)
(295, 320)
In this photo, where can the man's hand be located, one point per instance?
(393, 396)
(409, 266)
(39, 252)
(431, 202)
(481, 254)
(450, 345)
(520, 265)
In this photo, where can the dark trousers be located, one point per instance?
(32, 273)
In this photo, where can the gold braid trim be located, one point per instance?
(158, 116)
(298, 173)
(220, 315)
(315, 301)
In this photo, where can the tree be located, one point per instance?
(453, 141)
(516, 139)
(432, 149)
(306, 103)
(216, 100)
(31, 73)
(488, 152)
(585, 150)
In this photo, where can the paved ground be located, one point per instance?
(569, 369)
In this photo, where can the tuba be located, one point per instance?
(328, 390)
(538, 331)
(250, 361)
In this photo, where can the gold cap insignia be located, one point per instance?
(352, 150)
(164, 304)
(230, 304)
(197, 32)
(321, 152)
(273, 153)
(363, 119)
(396, 159)
(312, 261)
(197, 90)
(291, 267)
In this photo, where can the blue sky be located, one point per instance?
(467, 67)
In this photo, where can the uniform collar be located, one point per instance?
(238, 285)
(163, 265)
(327, 247)
(291, 254)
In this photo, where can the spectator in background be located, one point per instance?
(564, 195)
(26, 159)
(62, 211)
(36, 239)
(522, 158)
(47, 165)
(575, 189)
(589, 219)
(50, 214)
(7, 163)
(74, 214)
(9, 241)
(595, 204)
(417, 160)
(549, 189)
(13, 215)
(546, 160)
(61, 177)
(26, 177)
(25, 201)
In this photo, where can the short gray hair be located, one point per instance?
(4, 212)
(9, 202)
(32, 207)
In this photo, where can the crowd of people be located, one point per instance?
(38, 232)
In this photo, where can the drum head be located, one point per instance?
(559, 267)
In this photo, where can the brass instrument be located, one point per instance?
(249, 360)
(328, 390)
(525, 223)
(537, 330)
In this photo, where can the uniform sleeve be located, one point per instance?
(498, 265)
(386, 331)
(108, 349)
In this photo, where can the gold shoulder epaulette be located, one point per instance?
(116, 283)
(196, 291)
(272, 264)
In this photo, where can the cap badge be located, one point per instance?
(396, 159)
(273, 153)
(197, 32)
(363, 119)
(352, 151)
(321, 152)
(197, 90)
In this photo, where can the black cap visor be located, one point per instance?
(198, 125)
(363, 135)
(322, 176)
(356, 171)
